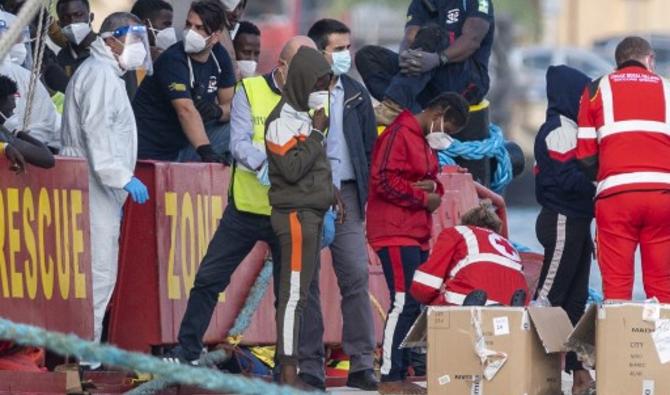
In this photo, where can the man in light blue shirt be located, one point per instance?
(351, 137)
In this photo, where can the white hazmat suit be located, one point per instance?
(45, 122)
(98, 124)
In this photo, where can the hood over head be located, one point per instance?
(307, 66)
(565, 86)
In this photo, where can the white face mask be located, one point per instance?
(133, 56)
(166, 38)
(439, 140)
(317, 100)
(247, 67)
(18, 53)
(76, 32)
(194, 42)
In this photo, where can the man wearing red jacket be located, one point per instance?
(624, 144)
(404, 192)
(470, 257)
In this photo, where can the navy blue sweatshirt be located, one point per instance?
(560, 185)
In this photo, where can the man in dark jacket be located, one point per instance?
(351, 136)
(446, 47)
(301, 191)
(566, 195)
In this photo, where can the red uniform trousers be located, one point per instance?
(623, 221)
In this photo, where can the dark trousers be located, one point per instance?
(380, 70)
(299, 234)
(399, 265)
(236, 236)
(564, 279)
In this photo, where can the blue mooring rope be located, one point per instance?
(256, 294)
(493, 147)
(209, 379)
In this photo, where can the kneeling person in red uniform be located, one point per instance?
(404, 192)
(471, 257)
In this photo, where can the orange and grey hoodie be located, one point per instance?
(300, 174)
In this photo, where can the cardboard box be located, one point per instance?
(630, 345)
(492, 350)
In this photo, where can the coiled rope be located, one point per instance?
(493, 147)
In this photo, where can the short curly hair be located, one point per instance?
(483, 216)
(8, 87)
(455, 107)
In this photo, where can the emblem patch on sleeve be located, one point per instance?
(177, 87)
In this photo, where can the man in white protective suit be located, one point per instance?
(98, 124)
(45, 121)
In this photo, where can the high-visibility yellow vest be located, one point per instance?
(250, 196)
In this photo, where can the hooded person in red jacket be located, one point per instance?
(404, 192)
(469, 257)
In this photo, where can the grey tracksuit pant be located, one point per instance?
(350, 261)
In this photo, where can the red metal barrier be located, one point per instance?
(45, 270)
(162, 243)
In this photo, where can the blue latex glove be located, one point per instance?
(328, 234)
(137, 190)
(263, 175)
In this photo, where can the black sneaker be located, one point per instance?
(518, 298)
(364, 380)
(313, 381)
(476, 298)
(176, 356)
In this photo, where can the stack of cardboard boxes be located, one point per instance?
(517, 351)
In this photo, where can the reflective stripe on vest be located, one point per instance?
(612, 127)
(475, 256)
(250, 196)
(640, 177)
(485, 258)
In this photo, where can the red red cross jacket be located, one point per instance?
(624, 131)
(466, 258)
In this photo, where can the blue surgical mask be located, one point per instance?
(341, 62)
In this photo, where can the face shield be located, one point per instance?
(20, 53)
(135, 41)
